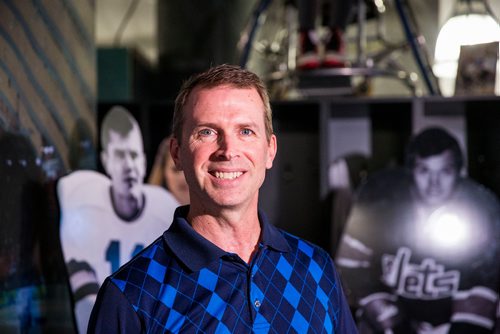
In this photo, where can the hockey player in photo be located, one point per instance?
(421, 247)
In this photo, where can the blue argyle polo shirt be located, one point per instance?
(183, 283)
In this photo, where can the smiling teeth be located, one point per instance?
(227, 176)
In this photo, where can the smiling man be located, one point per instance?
(222, 267)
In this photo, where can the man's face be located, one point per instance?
(224, 152)
(435, 177)
(125, 163)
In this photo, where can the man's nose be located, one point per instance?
(128, 160)
(228, 146)
(435, 178)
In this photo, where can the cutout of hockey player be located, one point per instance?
(421, 249)
(106, 221)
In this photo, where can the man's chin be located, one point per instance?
(134, 189)
(434, 200)
(222, 202)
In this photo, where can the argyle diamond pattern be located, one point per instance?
(280, 292)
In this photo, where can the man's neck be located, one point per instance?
(233, 231)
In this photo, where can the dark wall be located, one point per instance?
(483, 141)
(194, 35)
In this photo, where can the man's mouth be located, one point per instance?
(227, 175)
(434, 192)
(130, 180)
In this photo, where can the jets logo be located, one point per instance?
(427, 280)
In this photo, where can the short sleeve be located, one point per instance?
(112, 312)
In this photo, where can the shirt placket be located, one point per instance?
(256, 294)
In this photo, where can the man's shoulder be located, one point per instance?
(160, 195)
(309, 264)
(303, 248)
(476, 198)
(83, 187)
(154, 190)
(150, 263)
(475, 191)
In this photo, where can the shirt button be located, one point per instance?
(257, 303)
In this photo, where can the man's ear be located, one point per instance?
(174, 152)
(272, 149)
(104, 161)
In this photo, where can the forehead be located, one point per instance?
(131, 139)
(225, 100)
(437, 161)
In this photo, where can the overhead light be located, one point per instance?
(472, 22)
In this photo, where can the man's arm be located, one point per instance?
(346, 322)
(84, 286)
(112, 312)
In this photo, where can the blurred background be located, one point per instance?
(64, 64)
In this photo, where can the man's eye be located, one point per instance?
(421, 170)
(206, 132)
(246, 132)
(449, 170)
(119, 154)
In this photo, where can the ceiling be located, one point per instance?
(133, 23)
(140, 28)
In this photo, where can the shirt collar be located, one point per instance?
(196, 252)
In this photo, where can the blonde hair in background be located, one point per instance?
(166, 175)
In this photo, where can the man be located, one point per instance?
(124, 161)
(105, 222)
(422, 256)
(435, 160)
(221, 267)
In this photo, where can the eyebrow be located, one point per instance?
(126, 150)
(215, 126)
